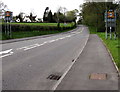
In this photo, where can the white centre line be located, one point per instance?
(7, 53)
(50, 41)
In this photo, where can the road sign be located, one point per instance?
(8, 15)
(8, 19)
(110, 21)
(111, 14)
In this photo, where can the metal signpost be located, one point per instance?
(8, 19)
(110, 22)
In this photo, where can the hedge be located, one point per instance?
(17, 28)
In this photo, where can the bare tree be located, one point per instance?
(3, 8)
(58, 17)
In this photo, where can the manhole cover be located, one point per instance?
(54, 77)
(98, 76)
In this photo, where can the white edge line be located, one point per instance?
(60, 80)
(115, 65)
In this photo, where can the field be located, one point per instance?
(46, 24)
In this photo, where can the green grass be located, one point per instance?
(45, 24)
(92, 30)
(112, 45)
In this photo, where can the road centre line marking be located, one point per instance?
(6, 55)
(37, 45)
(62, 38)
(51, 41)
(9, 52)
(69, 36)
(5, 52)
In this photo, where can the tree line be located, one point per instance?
(93, 14)
(61, 15)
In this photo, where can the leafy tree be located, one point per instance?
(93, 13)
(72, 16)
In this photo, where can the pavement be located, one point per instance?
(93, 60)
(93, 71)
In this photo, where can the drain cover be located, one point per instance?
(98, 76)
(54, 77)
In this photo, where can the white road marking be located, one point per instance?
(69, 36)
(50, 41)
(32, 46)
(56, 39)
(7, 53)
(62, 38)
(60, 80)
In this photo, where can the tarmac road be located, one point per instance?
(27, 64)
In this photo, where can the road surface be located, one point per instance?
(27, 65)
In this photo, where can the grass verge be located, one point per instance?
(112, 45)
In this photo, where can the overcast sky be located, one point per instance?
(38, 6)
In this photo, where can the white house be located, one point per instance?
(17, 20)
(26, 19)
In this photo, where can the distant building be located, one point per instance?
(17, 20)
(26, 19)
